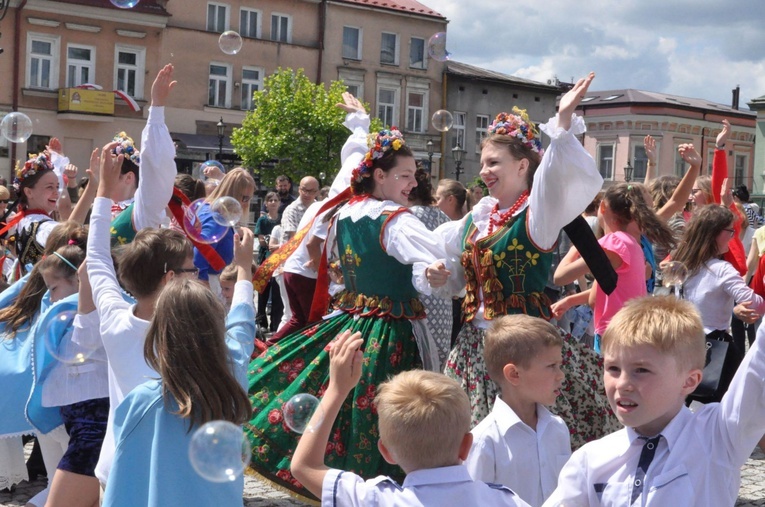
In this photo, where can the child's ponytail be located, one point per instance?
(627, 202)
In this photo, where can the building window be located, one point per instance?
(417, 53)
(710, 160)
(251, 82)
(606, 161)
(42, 61)
(481, 130)
(386, 106)
(415, 111)
(129, 70)
(389, 49)
(739, 174)
(281, 29)
(217, 17)
(680, 164)
(639, 162)
(80, 65)
(353, 80)
(249, 23)
(458, 130)
(219, 90)
(352, 43)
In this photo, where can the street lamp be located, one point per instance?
(457, 152)
(221, 128)
(628, 172)
(429, 144)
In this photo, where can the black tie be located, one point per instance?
(646, 456)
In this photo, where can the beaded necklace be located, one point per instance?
(507, 215)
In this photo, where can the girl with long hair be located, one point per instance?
(201, 358)
(375, 241)
(453, 198)
(624, 215)
(503, 253)
(713, 284)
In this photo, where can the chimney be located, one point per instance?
(736, 92)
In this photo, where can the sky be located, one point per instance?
(691, 48)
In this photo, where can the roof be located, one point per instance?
(606, 98)
(410, 6)
(473, 72)
(143, 7)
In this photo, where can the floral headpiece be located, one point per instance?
(518, 125)
(379, 144)
(36, 164)
(126, 148)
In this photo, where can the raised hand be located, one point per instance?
(345, 358)
(689, 154)
(649, 143)
(570, 101)
(70, 171)
(110, 170)
(726, 193)
(351, 104)
(722, 137)
(93, 171)
(212, 172)
(163, 85)
(54, 145)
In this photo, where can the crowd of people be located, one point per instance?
(468, 345)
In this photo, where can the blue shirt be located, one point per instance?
(224, 247)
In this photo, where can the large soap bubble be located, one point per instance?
(197, 229)
(16, 127)
(219, 451)
(298, 412)
(230, 42)
(55, 335)
(226, 211)
(437, 47)
(442, 120)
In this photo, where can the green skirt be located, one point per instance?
(299, 363)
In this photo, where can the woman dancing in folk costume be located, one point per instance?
(504, 246)
(377, 241)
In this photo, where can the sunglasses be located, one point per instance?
(195, 271)
(4, 201)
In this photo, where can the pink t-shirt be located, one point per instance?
(631, 283)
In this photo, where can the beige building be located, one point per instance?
(378, 48)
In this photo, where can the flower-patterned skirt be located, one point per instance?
(582, 403)
(300, 364)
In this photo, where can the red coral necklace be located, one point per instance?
(507, 215)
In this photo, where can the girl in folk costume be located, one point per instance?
(377, 241)
(505, 250)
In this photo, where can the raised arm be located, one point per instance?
(652, 170)
(720, 161)
(157, 169)
(354, 149)
(240, 323)
(80, 211)
(679, 197)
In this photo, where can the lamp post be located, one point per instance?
(457, 152)
(221, 128)
(628, 172)
(429, 144)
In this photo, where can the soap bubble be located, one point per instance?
(124, 4)
(16, 127)
(206, 232)
(437, 47)
(674, 273)
(230, 42)
(56, 332)
(208, 170)
(219, 451)
(299, 410)
(442, 120)
(226, 211)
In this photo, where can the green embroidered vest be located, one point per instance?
(122, 230)
(510, 270)
(376, 283)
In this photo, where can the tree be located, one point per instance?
(295, 128)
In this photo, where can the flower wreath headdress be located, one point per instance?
(520, 126)
(36, 164)
(126, 148)
(379, 144)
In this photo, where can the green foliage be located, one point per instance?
(295, 122)
(478, 181)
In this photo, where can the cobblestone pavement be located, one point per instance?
(257, 494)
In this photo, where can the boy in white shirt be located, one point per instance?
(654, 353)
(424, 418)
(520, 444)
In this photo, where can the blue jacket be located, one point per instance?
(151, 463)
(224, 247)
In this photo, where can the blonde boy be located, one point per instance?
(654, 353)
(520, 444)
(424, 418)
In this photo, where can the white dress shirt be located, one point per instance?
(507, 451)
(697, 463)
(439, 487)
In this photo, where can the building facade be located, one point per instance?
(618, 121)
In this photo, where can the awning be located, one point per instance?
(199, 142)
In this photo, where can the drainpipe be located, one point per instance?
(16, 71)
(322, 31)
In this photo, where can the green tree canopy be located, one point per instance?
(295, 122)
